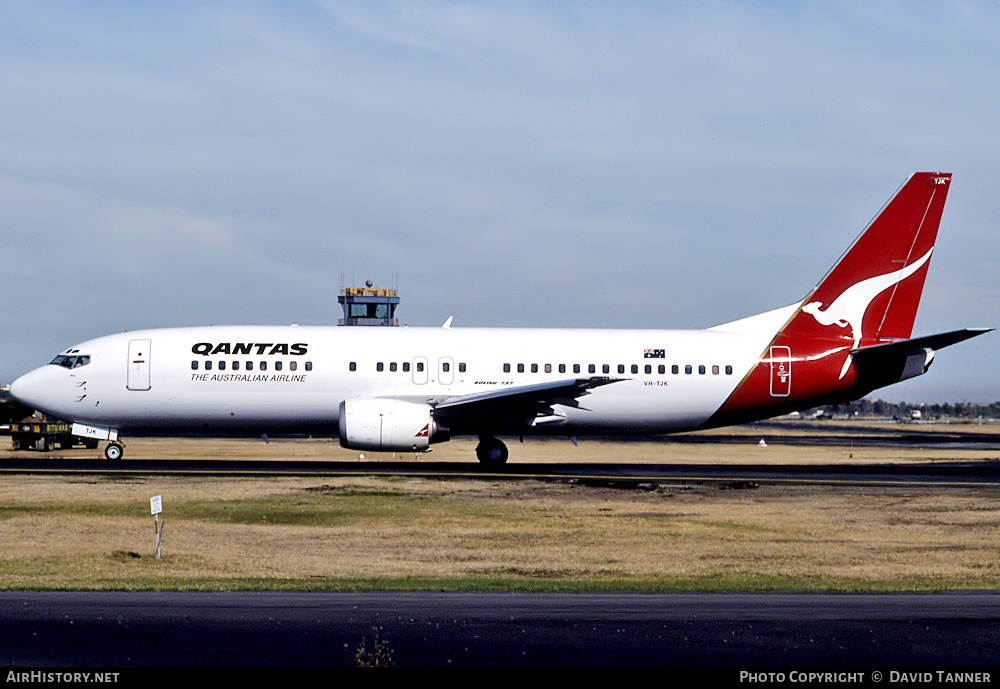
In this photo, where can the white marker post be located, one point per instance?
(155, 507)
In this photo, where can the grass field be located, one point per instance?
(327, 533)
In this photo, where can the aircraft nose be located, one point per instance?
(33, 388)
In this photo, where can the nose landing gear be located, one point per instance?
(114, 451)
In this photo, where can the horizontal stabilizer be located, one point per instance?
(891, 362)
(935, 342)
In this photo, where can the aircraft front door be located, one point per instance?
(138, 364)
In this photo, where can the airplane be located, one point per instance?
(402, 389)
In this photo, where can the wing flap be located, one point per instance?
(516, 407)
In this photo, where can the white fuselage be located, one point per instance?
(273, 379)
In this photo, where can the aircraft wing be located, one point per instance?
(515, 408)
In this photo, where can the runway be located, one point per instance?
(929, 474)
(734, 631)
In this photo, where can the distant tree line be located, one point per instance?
(881, 408)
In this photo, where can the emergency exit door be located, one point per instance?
(138, 364)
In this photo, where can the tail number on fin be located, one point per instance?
(781, 371)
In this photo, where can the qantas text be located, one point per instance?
(258, 348)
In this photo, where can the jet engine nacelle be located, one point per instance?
(387, 425)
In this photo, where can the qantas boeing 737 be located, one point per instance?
(401, 389)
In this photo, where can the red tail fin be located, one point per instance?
(869, 297)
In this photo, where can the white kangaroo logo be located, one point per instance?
(848, 310)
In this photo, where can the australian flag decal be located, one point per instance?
(654, 354)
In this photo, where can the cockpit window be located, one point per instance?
(71, 360)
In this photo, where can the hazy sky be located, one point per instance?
(514, 163)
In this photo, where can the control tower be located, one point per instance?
(368, 305)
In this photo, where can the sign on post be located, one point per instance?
(155, 507)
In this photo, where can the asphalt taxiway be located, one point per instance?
(787, 630)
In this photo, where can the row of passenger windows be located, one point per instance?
(392, 366)
(247, 365)
(661, 369)
(621, 368)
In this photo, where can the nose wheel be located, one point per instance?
(114, 451)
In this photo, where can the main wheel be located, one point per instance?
(491, 452)
(114, 451)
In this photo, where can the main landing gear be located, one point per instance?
(491, 452)
(114, 451)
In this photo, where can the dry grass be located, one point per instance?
(55, 533)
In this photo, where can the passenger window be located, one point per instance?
(277, 365)
(420, 367)
(461, 368)
(379, 366)
(591, 368)
(674, 369)
(715, 369)
(729, 370)
(309, 365)
(661, 369)
(263, 366)
(445, 366)
(635, 369)
(534, 368)
(576, 368)
(392, 366)
(249, 366)
(688, 370)
(293, 365)
(194, 365)
(236, 366)
(548, 368)
(648, 369)
(353, 366)
(621, 368)
(606, 368)
(208, 365)
(406, 367)
(506, 368)
(222, 365)
(520, 368)
(701, 370)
